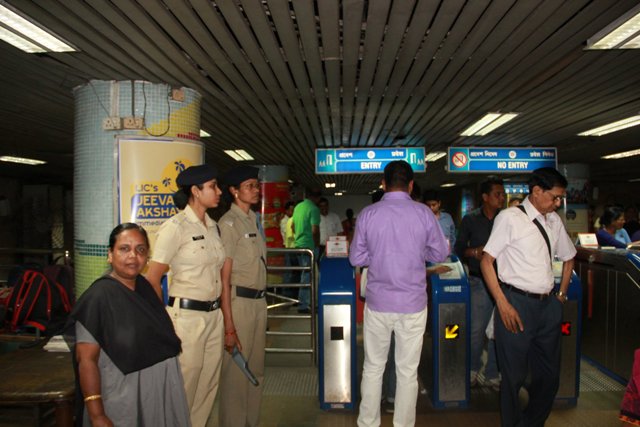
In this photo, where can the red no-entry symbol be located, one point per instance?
(459, 159)
(565, 327)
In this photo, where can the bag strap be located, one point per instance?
(542, 230)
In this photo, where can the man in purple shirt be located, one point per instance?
(394, 238)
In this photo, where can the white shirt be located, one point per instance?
(330, 225)
(520, 250)
(283, 227)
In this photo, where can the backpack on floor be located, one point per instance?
(38, 302)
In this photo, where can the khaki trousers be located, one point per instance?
(240, 401)
(202, 335)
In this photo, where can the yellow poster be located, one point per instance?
(147, 171)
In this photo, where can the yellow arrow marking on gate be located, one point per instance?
(451, 332)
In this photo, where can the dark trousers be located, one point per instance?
(536, 350)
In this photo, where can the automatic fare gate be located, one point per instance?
(571, 331)
(337, 369)
(450, 310)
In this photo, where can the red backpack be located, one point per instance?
(37, 301)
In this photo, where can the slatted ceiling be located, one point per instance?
(413, 95)
(397, 92)
(291, 70)
(309, 50)
(398, 20)
(376, 20)
(279, 78)
(352, 13)
(440, 56)
(260, 25)
(279, 110)
(328, 18)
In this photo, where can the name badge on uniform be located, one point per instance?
(246, 236)
(198, 237)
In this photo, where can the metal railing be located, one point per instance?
(280, 305)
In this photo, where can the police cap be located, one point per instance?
(239, 174)
(194, 175)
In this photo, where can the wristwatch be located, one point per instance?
(562, 295)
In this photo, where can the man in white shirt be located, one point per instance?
(527, 330)
(330, 224)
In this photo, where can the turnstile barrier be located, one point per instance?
(337, 369)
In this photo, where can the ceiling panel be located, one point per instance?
(280, 78)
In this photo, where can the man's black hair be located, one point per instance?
(314, 193)
(376, 196)
(398, 174)
(547, 178)
(489, 182)
(431, 195)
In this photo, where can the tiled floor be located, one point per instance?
(291, 400)
(298, 408)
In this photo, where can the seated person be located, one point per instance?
(612, 232)
(126, 349)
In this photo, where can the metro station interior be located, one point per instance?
(278, 84)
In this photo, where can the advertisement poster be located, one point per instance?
(576, 214)
(274, 197)
(147, 171)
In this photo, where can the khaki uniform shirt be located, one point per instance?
(244, 243)
(194, 253)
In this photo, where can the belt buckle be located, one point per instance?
(260, 294)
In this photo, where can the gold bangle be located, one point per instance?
(93, 397)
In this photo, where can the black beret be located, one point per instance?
(194, 175)
(240, 174)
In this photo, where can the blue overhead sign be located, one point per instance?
(366, 160)
(500, 160)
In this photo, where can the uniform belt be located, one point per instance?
(192, 304)
(525, 293)
(250, 293)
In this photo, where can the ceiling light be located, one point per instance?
(612, 127)
(447, 184)
(244, 155)
(22, 160)
(337, 194)
(19, 31)
(622, 155)
(238, 155)
(436, 155)
(634, 180)
(623, 33)
(235, 156)
(204, 133)
(489, 122)
(329, 185)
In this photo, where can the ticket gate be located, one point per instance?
(571, 328)
(337, 369)
(450, 333)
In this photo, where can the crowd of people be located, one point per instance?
(174, 361)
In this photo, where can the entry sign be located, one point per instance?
(366, 160)
(500, 159)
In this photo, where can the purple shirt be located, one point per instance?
(395, 237)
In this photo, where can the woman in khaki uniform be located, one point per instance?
(243, 300)
(189, 243)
